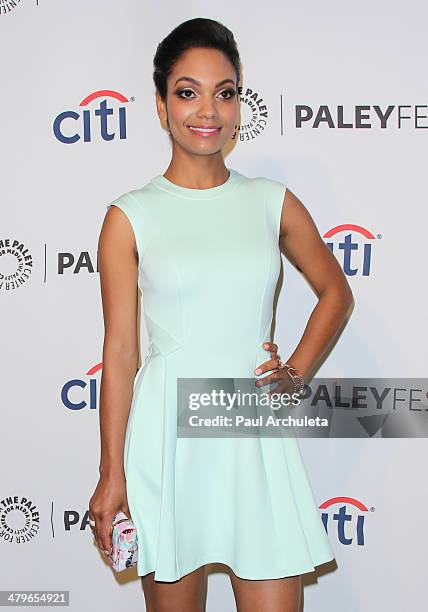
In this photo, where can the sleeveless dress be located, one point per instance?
(209, 262)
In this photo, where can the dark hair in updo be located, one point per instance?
(198, 32)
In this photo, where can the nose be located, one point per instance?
(207, 107)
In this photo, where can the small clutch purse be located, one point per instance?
(124, 543)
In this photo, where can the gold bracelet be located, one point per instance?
(296, 377)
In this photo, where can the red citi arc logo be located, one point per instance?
(357, 253)
(104, 120)
(350, 525)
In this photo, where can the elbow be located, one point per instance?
(114, 352)
(340, 297)
(348, 296)
(347, 300)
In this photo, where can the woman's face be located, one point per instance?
(202, 93)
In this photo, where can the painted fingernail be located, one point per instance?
(258, 371)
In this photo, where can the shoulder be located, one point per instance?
(267, 182)
(285, 210)
(272, 191)
(134, 198)
(132, 208)
(292, 205)
(269, 194)
(135, 203)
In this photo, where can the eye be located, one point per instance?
(231, 93)
(179, 93)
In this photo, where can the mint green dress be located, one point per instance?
(209, 262)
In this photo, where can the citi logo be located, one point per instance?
(77, 393)
(97, 118)
(348, 515)
(353, 245)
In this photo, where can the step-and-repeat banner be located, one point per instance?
(333, 103)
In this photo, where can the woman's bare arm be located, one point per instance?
(118, 267)
(302, 244)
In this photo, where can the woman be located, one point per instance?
(203, 243)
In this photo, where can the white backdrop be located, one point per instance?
(348, 65)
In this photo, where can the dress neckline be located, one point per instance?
(162, 182)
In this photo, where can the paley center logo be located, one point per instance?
(19, 519)
(6, 6)
(16, 264)
(352, 244)
(348, 514)
(79, 393)
(254, 114)
(97, 117)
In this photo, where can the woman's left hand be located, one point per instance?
(280, 375)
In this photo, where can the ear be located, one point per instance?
(161, 110)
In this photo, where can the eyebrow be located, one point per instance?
(185, 78)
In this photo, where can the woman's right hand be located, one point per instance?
(108, 499)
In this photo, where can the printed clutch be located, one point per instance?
(124, 543)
